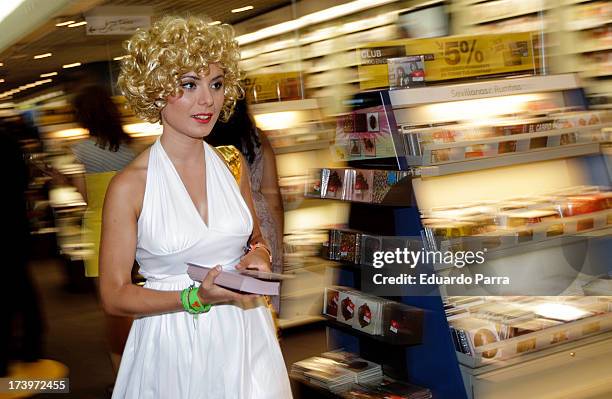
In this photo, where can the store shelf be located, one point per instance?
(298, 321)
(522, 248)
(474, 367)
(592, 49)
(486, 89)
(584, 25)
(284, 106)
(319, 145)
(597, 73)
(549, 243)
(566, 151)
(333, 323)
(512, 14)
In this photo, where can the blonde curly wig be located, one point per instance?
(158, 57)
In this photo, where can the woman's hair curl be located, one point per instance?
(158, 57)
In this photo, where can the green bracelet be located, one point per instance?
(195, 305)
(185, 298)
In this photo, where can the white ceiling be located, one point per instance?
(70, 45)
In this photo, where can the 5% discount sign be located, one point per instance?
(468, 56)
(458, 50)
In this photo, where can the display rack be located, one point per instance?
(457, 182)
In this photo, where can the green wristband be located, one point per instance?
(185, 298)
(195, 305)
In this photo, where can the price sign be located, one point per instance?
(456, 57)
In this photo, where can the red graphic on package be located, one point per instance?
(365, 315)
(348, 308)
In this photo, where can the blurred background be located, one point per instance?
(306, 65)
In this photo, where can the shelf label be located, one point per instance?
(452, 57)
(284, 86)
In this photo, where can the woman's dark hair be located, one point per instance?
(95, 111)
(239, 131)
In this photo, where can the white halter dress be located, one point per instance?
(229, 352)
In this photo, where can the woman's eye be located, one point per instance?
(217, 85)
(188, 85)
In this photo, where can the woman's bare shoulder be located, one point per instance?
(128, 185)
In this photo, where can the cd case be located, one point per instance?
(236, 280)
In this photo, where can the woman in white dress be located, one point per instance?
(178, 202)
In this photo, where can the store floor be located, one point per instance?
(75, 332)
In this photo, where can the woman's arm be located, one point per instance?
(117, 251)
(270, 189)
(258, 258)
(80, 183)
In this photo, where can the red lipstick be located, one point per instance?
(202, 118)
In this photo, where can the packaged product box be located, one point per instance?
(369, 245)
(334, 244)
(582, 204)
(402, 324)
(391, 243)
(331, 301)
(381, 184)
(480, 333)
(347, 311)
(373, 125)
(334, 184)
(361, 122)
(313, 184)
(346, 123)
(350, 242)
(362, 187)
(405, 72)
(369, 314)
(355, 148)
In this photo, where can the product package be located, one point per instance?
(382, 181)
(369, 314)
(369, 245)
(332, 183)
(331, 302)
(362, 187)
(313, 184)
(402, 323)
(350, 242)
(347, 311)
(405, 72)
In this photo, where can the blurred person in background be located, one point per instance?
(241, 132)
(105, 152)
(21, 321)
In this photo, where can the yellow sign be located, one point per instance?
(452, 57)
(273, 86)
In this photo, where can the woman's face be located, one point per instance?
(195, 112)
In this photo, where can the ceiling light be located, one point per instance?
(311, 19)
(45, 55)
(76, 64)
(241, 9)
(46, 75)
(1, 80)
(1, 63)
(44, 81)
(119, 58)
(214, 23)
(77, 24)
(65, 23)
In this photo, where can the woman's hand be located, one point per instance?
(209, 292)
(256, 259)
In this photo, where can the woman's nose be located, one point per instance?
(205, 97)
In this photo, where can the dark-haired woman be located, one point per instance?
(105, 152)
(241, 132)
